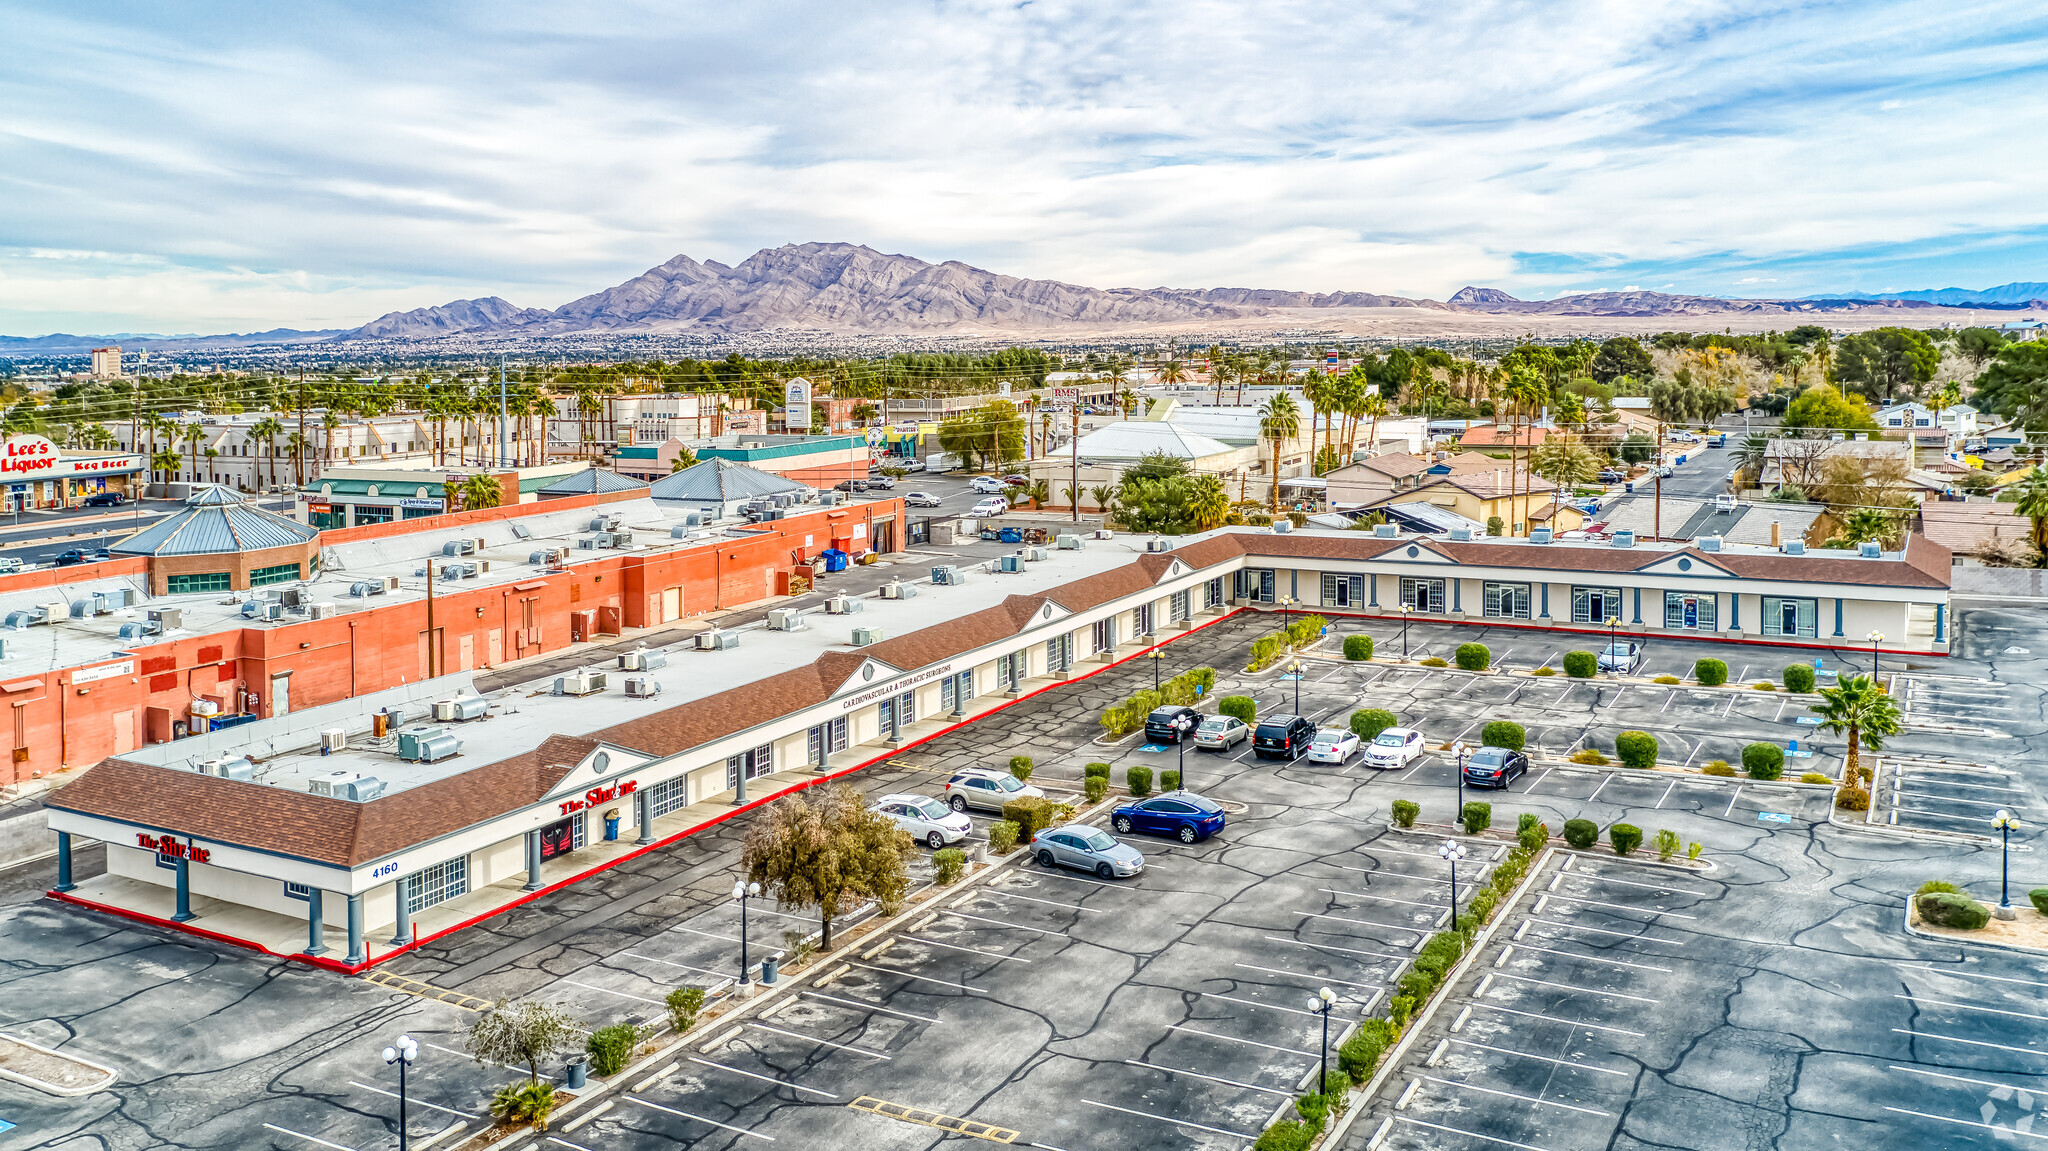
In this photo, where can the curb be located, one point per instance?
(1932, 937)
(112, 1076)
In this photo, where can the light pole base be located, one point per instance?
(2005, 911)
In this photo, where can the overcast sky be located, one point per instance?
(229, 167)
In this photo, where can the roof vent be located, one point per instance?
(1870, 549)
(1386, 532)
(1539, 535)
(1624, 538)
(1462, 534)
(1793, 547)
(1709, 543)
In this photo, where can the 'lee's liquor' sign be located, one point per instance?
(597, 795)
(165, 845)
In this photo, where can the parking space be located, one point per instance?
(1947, 795)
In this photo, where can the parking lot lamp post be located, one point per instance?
(1459, 749)
(743, 891)
(2005, 821)
(1875, 638)
(1405, 609)
(1294, 669)
(1452, 852)
(1155, 656)
(1613, 622)
(1287, 610)
(1320, 1004)
(404, 1053)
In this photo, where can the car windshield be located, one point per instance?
(1096, 840)
(1620, 649)
(1329, 735)
(1389, 739)
(931, 809)
(1216, 723)
(1488, 759)
(1008, 783)
(1164, 714)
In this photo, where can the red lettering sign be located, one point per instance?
(165, 845)
(597, 795)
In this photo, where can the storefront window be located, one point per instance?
(1507, 600)
(277, 573)
(1689, 612)
(372, 514)
(1422, 594)
(198, 582)
(1343, 591)
(1790, 617)
(437, 884)
(1596, 604)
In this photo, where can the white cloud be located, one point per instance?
(243, 170)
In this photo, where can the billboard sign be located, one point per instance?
(1066, 395)
(796, 403)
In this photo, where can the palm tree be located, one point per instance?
(1862, 710)
(1864, 524)
(165, 460)
(1279, 421)
(1317, 389)
(329, 420)
(194, 436)
(2033, 504)
(1749, 455)
(297, 443)
(1219, 370)
(1105, 495)
(1128, 401)
(267, 430)
(1372, 406)
(212, 454)
(482, 490)
(1823, 356)
(1206, 504)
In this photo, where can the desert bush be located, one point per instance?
(1849, 797)
(1369, 722)
(1432, 661)
(1357, 647)
(1474, 656)
(610, 1047)
(1266, 649)
(1814, 777)
(1095, 788)
(1946, 909)
(1625, 837)
(1667, 844)
(1589, 755)
(1764, 685)
(1544, 671)
(1710, 672)
(1286, 1135)
(1002, 835)
(1405, 812)
(1667, 679)
(1693, 849)
(1476, 817)
(1798, 677)
(1503, 733)
(2039, 898)
(1717, 767)
(1138, 779)
(1763, 760)
(1938, 886)
(1534, 838)
(1581, 833)
(1525, 821)
(1020, 766)
(1243, 707)
(1032, 814)
(1169, 780)
(684, 1004)
(1636, 749)
(947, 864)
(524, 1101)
(1581, 664)
(1094, 769)
(1399, 1008)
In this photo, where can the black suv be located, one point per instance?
(1283, 737)
(1494, 767)
(105, 500)
(1171, 724)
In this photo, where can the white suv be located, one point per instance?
(988, 486)
(926, 819)
(988, 790)
(992, 506)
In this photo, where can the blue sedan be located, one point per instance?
(1181, 814)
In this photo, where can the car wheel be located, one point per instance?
(935, 841)
(1123, 824)
(1187, 834)
(959, 802)
(1045, 859)
(1105, 871)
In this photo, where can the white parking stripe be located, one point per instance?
(1512, 1095)
(926, 978)
(1363, 922)
(1255, 1003)
(866, 1006)
(1596, 877)
(706, 934)
(1210, 1078)
(1332, 947)
(700, 1119)
(1468, 1134)
(1967, 1123)
(1966, 1042)
(1310, 978)
(1170, 1122)
(566, 1143)
(1604, 931)
(968, 950)
(1035, 899)
(1000, 923)
(672, 963)
(1569, 987)
(306, 1137)
(1622, 906)
(609, 991)
(1235, 1039)
(764, 1078)
(1968, 975)
(467, 1055)
(1541, 1058)
(1951, 799)
(820, 1042)
(1463, 889)
(421, 1102)
(1958, 1078)
(1555, 1019)
(1595, 959)
(1970, 1007)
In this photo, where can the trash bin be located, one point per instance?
(611, 824)
(770, 968)
(578, 1073)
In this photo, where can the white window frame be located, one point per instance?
(1494, 592)
(1706, 613)
(1342, 590)
(1806, 622)
(1424, 593)
(1582, 603)
(446, 880)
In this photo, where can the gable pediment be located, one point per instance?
(869, 673)
(1691, 564)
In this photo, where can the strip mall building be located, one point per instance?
(573, 784)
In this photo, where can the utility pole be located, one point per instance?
(302, 427)
(501, 411)
(1657, 501)
(1074, 447)
(430, 618)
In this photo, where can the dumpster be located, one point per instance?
(835, 560)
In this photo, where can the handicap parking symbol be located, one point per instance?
(1153, 747)
(1773, 817)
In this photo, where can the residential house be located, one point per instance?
(1377, 477)
(1677, 518)
(1975, 530)
(1499, 493)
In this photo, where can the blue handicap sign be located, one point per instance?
(1807, 719)
(1291, 675)
(1200, 688)
(1153, 747)
(1773, 817)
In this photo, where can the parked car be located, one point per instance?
(9, 565)
(926, 819)
(882, 483)
(987, 790)
(1171, 724)
(1394, 747)
(1283, 737)
(1683, 438)
(987, 486)
(1222, 732)
(1622, 658)
(77, 556)
(992, 506)
(1333, 745)
(1612, 475)
(1494, 767)
(1088, 848)
(1017, 481)
(105, 500)
(920, 500)
(852, 485)
(1181, 814)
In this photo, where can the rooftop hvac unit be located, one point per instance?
(1069, 543)
(828, 499)
(785, 619)
(1724, 505)
(588, 543)
(409, 739)
(394, 717)
(331, 784)
(129, 597)
(263, 609)
(483, 567)
(693, 519)
(229, 767)
(1793, 547)
(783, 499)
(361, 789)
(1157, 545)
(433, 749)
(458, 548)
(643, 659)
(1624, 538)
(1009, 563)
(452, 571)
(444, 710)
(390, 584)
(599, 524)
(863, 636)
(582, 681)
(1280, 528)
(1460, 534)
(468, 707)
(1104, 534)
(715, 640)
(290, 597)
(363, 587)
(322, 610)
(1386, 531)
(1539, 535)
(1035, 553)
(949, 574)
(1709, 543)
(844, 605)
(642, 687)
(136, 630)
(52, 612)
(773, 513)
(897, 589)
(1870, 549)
(333, 739)
(21, 619)
(82, 608)
(469, 571)
(521, 532)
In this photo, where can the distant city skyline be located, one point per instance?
(239, 168)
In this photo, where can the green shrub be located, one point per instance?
(1581, 833)
(1476, 817)
(1942, 886)
(522, 1101)
(1717, 767)
(1667, 844)
(1095, 769)
(1495, 525)
(1764, 685)
(1710, 672)
(1544, 671)
(1243, 707)
(610, 1048)
(1525, 821)
(1305, 630)
(1002, 835)
(1693, 849)
(1474, 656)
(1399, 1009)
(1581, 664)
(1636, 749)
(1432, 661)
(1503, 733)
(684, 1003)
(1020, 766)
(1849, 797)
(1480, 906)
(1763, 760)
(1032, 814)
(1589, 755)
(1265, 650)
(1814, 777)
(1095, 788)
(1360, 1055)
(1534, 838)
(1625, 837)
(1945, 909)
(1286, 1135)
(2039, 898)
(1138, 779)
(1371, 721)
(1798, 677)
(1357, 647)
(1405, 812)
(1667, 679)
(1169, 780)
(947, 864)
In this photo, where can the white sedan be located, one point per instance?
(926, 819)
(1333, 745)
(1394, 747)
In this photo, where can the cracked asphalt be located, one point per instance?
(1169, 1010)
